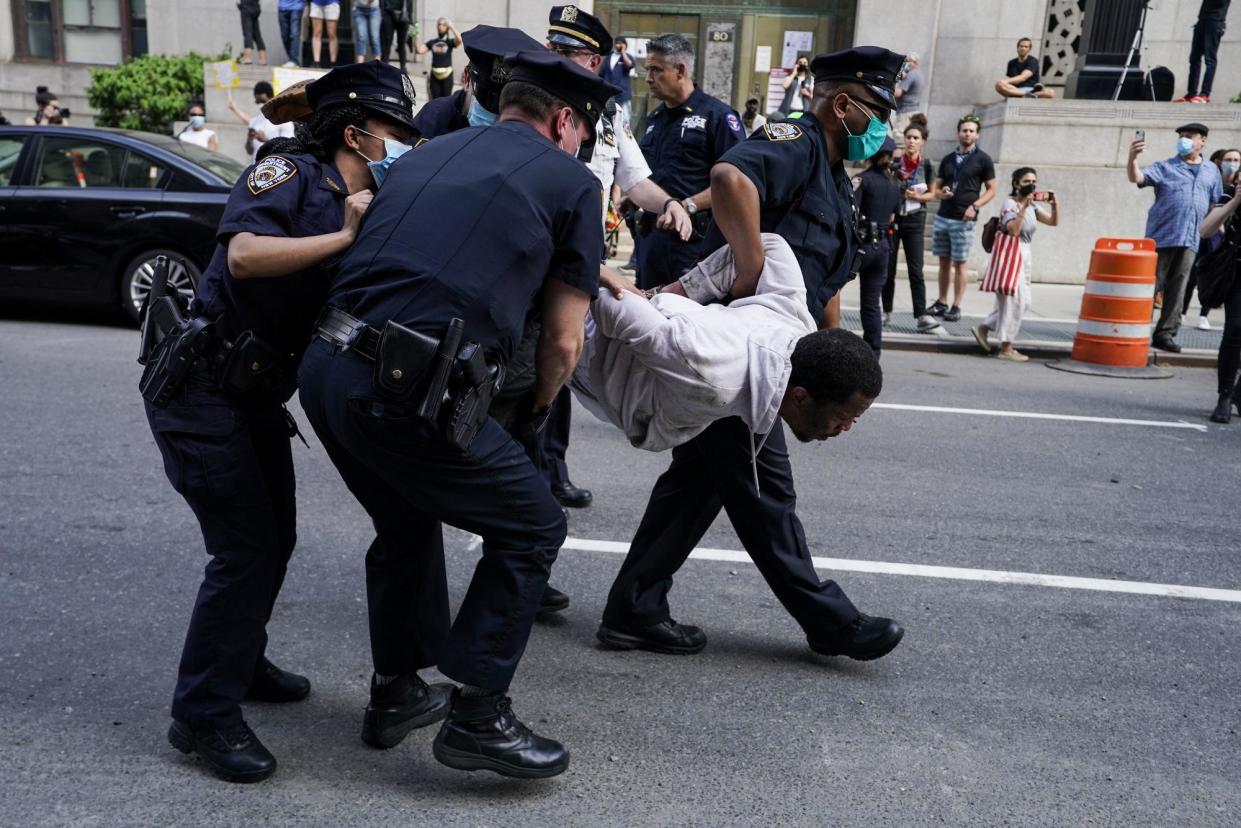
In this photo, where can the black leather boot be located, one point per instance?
(234, 752)
(402, 705)
(483, 733)
(665, 637)
(553, 601)
(865, 639)
(271, 684)
(1223, 408)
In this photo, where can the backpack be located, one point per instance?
(1158, 84)
(1217, 268)
(988, 233)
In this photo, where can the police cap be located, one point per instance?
(577, 29)
(558, 76)
(372, 85)
(1201, 129)
(486, 47)
(872, 66)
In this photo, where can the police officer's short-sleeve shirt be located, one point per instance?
(470, 225)
(803, 199)
(441, 116)
(681, 143)
(291, 196)
(878, 196)
(617, 157)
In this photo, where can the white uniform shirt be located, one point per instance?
(617, 157)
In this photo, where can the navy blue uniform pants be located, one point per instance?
(232, 464)
(664, 258)
(713, 471)
(871, 278)
(555, 439)
(409, 479)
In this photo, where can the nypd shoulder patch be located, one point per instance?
(272, 171)
(782, 131)
(734, 123)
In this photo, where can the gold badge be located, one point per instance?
(270, 172)
(568, 14)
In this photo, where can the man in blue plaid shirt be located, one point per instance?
(1185, 188)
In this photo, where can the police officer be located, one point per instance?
(687, 133)
(582, 38)
(225, 434)
(523, 226)
(788, 178)
(879, 197)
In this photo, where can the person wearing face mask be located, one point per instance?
(1228, 162)
(789, 179)
(225, 434)
(196, 131)
(879, 197)
(1185, 188)
(488, 71)
(258, 128)
(515, 218)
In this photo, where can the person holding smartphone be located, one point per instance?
(798, 88)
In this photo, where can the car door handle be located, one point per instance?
(126, 210)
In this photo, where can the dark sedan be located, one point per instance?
(84, 213)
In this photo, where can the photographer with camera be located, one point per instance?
(798, 87)
(48, 111)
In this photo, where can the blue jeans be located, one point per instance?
(366, 31)
(291, 34)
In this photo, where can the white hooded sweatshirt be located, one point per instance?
(664, 370)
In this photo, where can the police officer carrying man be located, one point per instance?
(399, 382)
(224, 433)
(788, 178)
(687, 133)
(582, 38)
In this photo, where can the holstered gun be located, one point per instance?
(164, 311)
(477, 385)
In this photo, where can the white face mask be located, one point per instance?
(573, 128)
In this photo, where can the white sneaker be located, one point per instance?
(288, 64)
(1204, 324)
(887, 319)
(926, 322)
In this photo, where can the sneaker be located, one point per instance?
(1204, 324)
(233, 752)
(1186, 99)
(926, 322)
(887, 318)
(288, 64)
(937, 309)
(1200, 99)
(980, 336)
(1013, 356)
(953, 314)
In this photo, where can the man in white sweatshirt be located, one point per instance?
(664, 371)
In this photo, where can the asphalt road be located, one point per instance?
(1005, 704)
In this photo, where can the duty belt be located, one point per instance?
(340, 328)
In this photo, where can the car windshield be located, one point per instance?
(223, 166)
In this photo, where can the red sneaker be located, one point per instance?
(1200, 99)
(1185, 99)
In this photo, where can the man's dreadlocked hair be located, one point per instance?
(321, 136)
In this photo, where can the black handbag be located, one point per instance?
(1217, 269)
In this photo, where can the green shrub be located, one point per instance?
(148, 92)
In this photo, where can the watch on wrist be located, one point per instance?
(690, 206)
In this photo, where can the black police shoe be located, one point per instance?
(1167, 343)
(569, 495)
(865, 639)
(271, 684)
(234, 752)
(664, 637)
(402, 705)
(1223, 409)
(553, 601)
(483, 733)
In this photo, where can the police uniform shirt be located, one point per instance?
(291, 196)
(803, 199)
(442, 116)
(617, 157)
(470, 225)
(681, 143)
(878, 196)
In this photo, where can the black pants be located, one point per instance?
(437, 88)
(871, 279)
(1230, 345)
(556, 439)
(1192, 284)
(233, 466)
(910, 233)
(1202, 51)
(251, 34)
(664, 258)
(389, 26)
(708, 472)
(409, 479)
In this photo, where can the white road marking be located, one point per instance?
(1034, 415)
(951, 572)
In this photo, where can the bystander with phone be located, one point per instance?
(798, 88)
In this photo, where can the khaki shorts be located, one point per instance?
(329, 12)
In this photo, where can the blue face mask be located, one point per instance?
(481, 117)
(868, 143)
(1230, 167)
(198, 121)
(1184, 146)
(393, 150)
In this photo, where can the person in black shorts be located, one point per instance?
(1021, 78)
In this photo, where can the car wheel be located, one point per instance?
(139, 274)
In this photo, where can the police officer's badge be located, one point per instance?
(782, 132)
(407, 86)
(500, 71)
(272, 171)
(568, 14)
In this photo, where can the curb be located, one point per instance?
(1190, 358)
